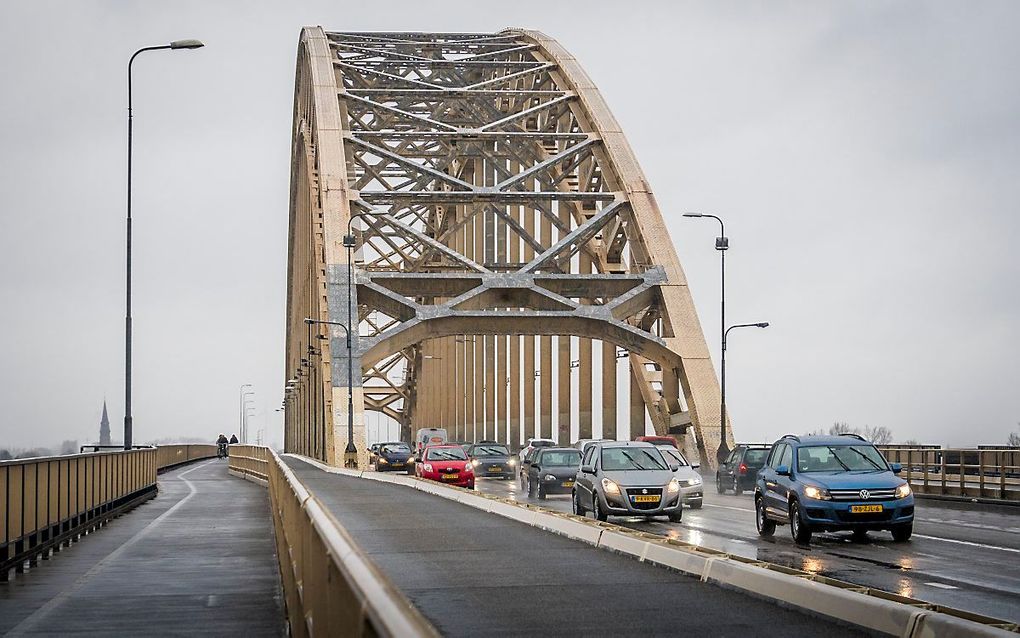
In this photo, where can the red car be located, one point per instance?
(659, 440)
(446, 464)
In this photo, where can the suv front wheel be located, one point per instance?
(901, 533)
(801, 533)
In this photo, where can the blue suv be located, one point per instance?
(831, 483)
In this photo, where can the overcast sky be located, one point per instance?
(864, 156)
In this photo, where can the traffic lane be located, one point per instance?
(940, 564)
(473, 574)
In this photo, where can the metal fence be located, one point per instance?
(988, 473)
(250, 461)
(330, 587)
(50, 502)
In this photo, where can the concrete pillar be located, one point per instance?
(637, 409)
(608, 390)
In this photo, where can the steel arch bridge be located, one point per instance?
(509, 256)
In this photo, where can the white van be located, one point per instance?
(429, 436)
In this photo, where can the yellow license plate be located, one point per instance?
(449, 477)
(495, 468)
(568, 484)
(865, 509)
(396, 464)
(649, 498)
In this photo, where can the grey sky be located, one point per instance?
(865, 157)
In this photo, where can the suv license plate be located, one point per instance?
(650, 498)
(865, 509)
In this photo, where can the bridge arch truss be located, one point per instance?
(509, 254)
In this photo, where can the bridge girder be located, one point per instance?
(501, 224)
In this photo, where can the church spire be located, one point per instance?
(104, 427)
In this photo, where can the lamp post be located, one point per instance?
(128, 419)
(350, 452)
(723, 448)
(243, 394)
(244, 422)
(722, 244)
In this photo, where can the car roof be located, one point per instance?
(443, 445)
(625, 444)
(542, 450)
(827, 440)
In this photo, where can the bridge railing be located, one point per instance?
(46, 503)
(250, 461)
(330, 587)
(991, 473)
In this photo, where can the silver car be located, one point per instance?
(626, 478)
(690, 481)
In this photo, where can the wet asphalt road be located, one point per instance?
(962, 557)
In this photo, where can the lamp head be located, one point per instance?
(763, 324)
(186, 44)
(693, 215)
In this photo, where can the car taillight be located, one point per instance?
(743, 469)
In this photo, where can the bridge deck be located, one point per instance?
(473, 573)
(197, 559)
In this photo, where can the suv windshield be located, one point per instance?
(631, 458)
(489, 450)
(840, 458)
(559, 458)
(756, 457)
(446, 454)
(396, 448)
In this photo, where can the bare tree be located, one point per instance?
(842, 427)
(879, 435)
(1014, 439)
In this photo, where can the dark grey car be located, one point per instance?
(626, 478)
(492, 459)
(552, 471)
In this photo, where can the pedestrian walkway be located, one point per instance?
(197, 559)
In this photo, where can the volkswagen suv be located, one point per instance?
(831, 483)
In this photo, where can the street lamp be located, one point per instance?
(128, 419)
(243, 394)
(723, 448)
(722, 244)
(350, 452)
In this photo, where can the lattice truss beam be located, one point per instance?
(501, 224)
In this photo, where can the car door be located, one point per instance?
(585, 482)
(726, 470)
(773, 501)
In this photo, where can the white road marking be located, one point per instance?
(729, 507)
(941, 585)
(971, 544)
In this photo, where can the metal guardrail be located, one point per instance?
(992, 474)
(47, 503)
(330, 587)
(250, 461)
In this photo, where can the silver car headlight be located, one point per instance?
(610, 487)
(673, 487)
(549, 477)
(818, 493)
(903, 491)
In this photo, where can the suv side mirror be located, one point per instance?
(783, 470)
(587, 469)
(696, 466)
(896, 468)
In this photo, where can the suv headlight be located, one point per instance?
(549, 477)
(610, 487)
(817, 493)
(903, 491)
(673, 486)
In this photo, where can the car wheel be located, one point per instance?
(718, 484)
(678, 515)
(578, 508)
(901, 533)
(738, 489)
(531, 489)
(596, 509)
(801, 533)
(695, 505)
(765, 527)
(524, 483)
(541, 492)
